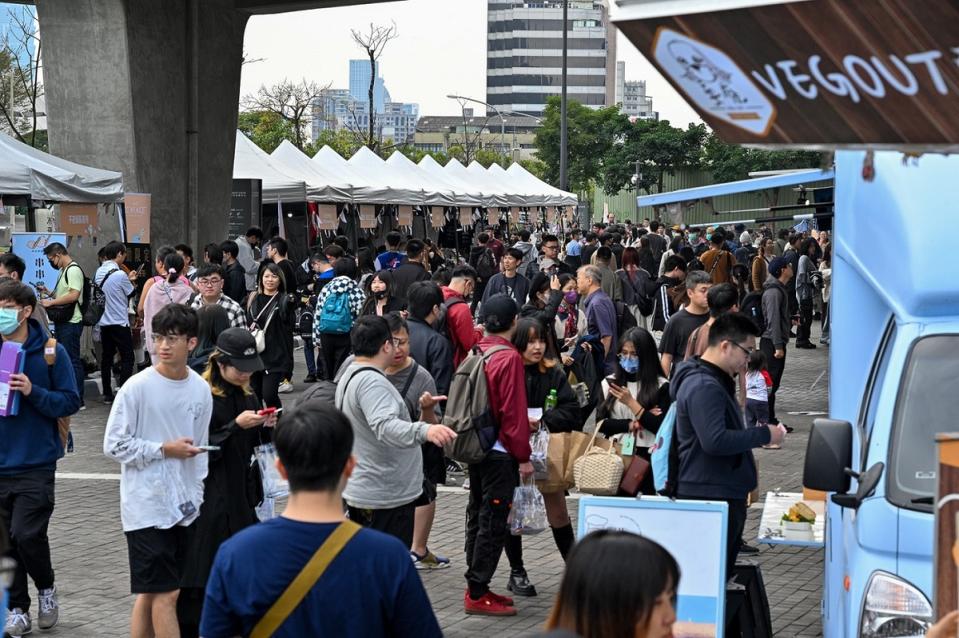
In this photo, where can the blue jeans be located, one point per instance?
(309, 353)
(68, 334)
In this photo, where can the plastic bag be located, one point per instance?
(528, 513)
(274, 485)
(539, 446)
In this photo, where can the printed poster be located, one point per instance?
(405, 216)
(492, 216)
(136, 208)
(437, 216)
(367, 216)
(327, 217)
(78, 220)
(29, 247)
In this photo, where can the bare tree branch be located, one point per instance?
(292, 102)
(374, 43)
(20, 88)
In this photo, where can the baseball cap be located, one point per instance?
(777, 265)
(237, 348)
(500, 310)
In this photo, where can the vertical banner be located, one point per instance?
(78, 220)
(405, 216)
(327, 217)
(245, 202)
(367, 216)
(437, 216)
(492, 216)
(280, 222)
(29, 247)
(514, 214)
(466, 216)
(136, 211)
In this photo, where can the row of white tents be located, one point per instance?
(289, 175)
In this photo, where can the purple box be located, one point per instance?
(11, 362)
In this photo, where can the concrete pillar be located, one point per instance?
(128, 85)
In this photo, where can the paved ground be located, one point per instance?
(91, 559)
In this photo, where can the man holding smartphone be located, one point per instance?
(115, 335)
(158, 420)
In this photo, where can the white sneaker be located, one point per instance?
(285, 387)
(49, 608)
(18, 623)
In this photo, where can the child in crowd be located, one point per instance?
(758, 383)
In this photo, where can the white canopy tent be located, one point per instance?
(533, 196)
(321, 185)
(251, 162)
(364, 189)
(555, 196)
(398, 189)
(433, 168)
(440, 192)
(29, 174)
(506, 192)
(496, 196)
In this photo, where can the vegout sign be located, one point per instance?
(813, 73)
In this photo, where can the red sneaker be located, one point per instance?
(488, 605)
(505, 600)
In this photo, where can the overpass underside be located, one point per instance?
(150, 88)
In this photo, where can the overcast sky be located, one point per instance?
(441, 50)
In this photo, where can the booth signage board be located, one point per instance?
(327, 217)
(78, 220)
(136, 214)
(246, 203)
(367, 216)
(834, 74)
(437, 216)
(694, 532)
(140, 255)
(492, 216)
(29, 247)
(404, 216)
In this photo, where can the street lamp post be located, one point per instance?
(502, 122)
(563, 133)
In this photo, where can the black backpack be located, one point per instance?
(635, 292)
(624, 318)
(96, 300)
(752, 307)
(486, 265)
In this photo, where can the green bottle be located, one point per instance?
(551, 401)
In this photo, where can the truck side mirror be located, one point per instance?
(868, 481)
(828, 455)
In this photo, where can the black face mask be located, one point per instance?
(630, 376)
(379, 294)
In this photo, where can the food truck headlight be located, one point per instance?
(893, 608)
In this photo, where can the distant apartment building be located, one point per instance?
(337, 109)
(513, 135)
(524, 54)
(631, 96)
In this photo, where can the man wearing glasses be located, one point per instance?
(715, 446)
(549, 261)
(209, 281)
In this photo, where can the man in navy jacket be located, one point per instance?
(29, 451)
(715, 446)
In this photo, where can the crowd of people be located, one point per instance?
(606, 330)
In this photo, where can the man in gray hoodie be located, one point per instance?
(388, 478)
(777, 319)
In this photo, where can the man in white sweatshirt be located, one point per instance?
(388, 478)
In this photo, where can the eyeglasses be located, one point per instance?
(551, 247)
(209, 282)
(399, 343)
(170, 339)
(746, 350)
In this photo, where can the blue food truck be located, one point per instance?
(878, 84)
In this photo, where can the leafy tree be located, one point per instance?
(20, 86)
(660, 149)
(534, 166)
(731, 162)
(265, 128)
(591, 132)
(342, 141)
(290, 102)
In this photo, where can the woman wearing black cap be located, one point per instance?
(233, 487)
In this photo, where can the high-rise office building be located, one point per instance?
(360, 72)
(524, 54)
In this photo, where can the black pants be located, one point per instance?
(336, 348)
(115, 339)
(266, 385)
(805, 321)
(477, 295)
(735, 524)
(26, 504)
(775, 367)
(492, 482)
(396, 521)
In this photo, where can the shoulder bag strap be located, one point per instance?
(406, 388)
(305, 580)
(346, 382)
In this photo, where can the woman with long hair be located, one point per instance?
(270, 309)
(637, 397)
(233, 487)
(159, 267)
(570, 322)
(674, 247)
(543, 374)
(545, 297)
(168, 288)
(594, 599)
(213, 320)
(636, 281)
(645, 257)
(825, 267)
(760, 265)
(380, 299)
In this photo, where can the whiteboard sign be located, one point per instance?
(694, 532)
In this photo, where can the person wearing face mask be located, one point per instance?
(545, 296)
(380, 299)
(31, 445)
(637, 395)
(457, 297)
(570, 322)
